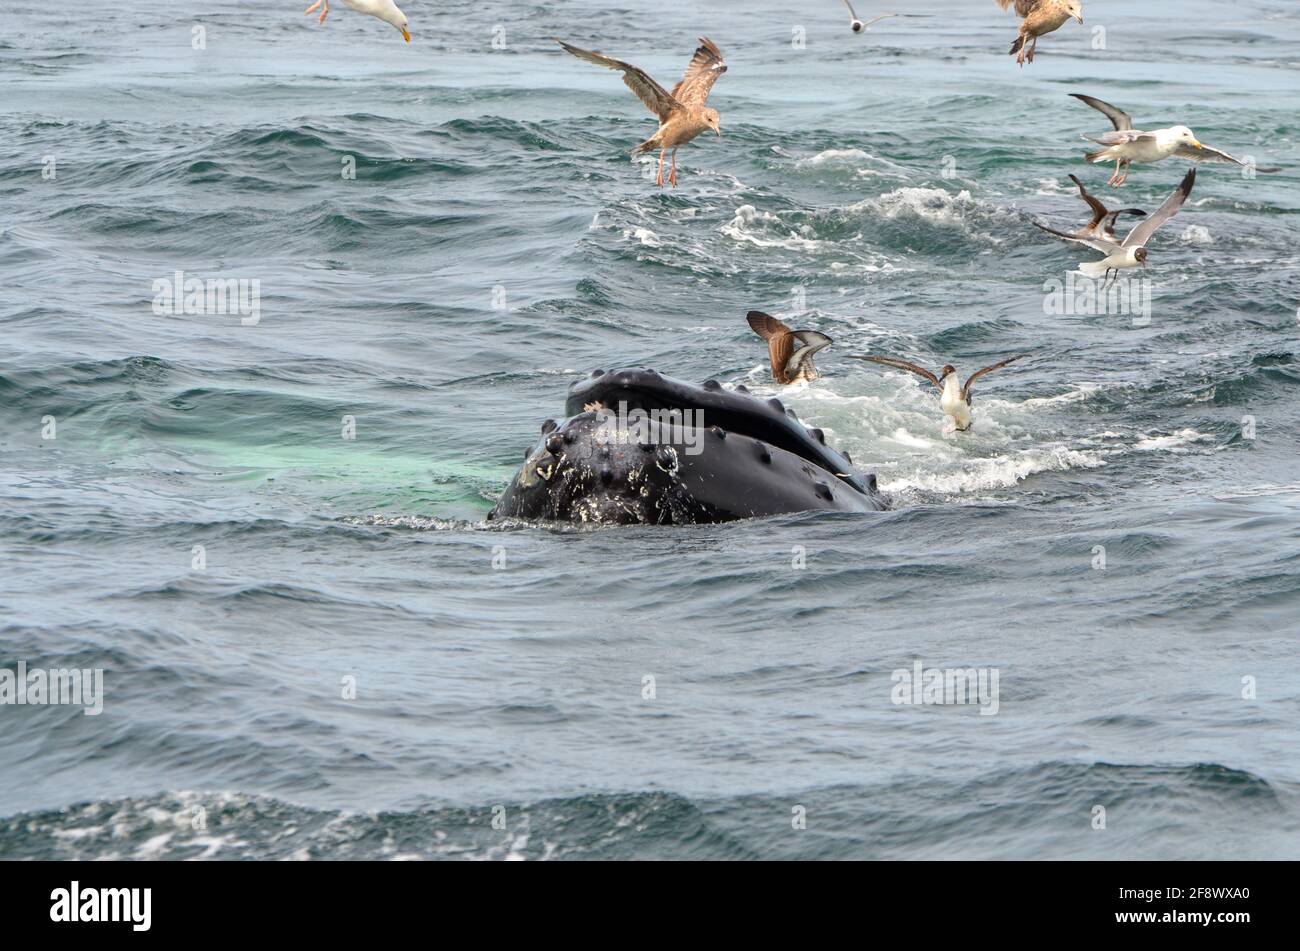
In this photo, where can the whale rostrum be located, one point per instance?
(641, 448)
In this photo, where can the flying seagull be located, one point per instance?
(858, 25)
(1102, 224)
(385, 10)
(1040, 17)
(682, 113)
(1132, 251)
(956, 399)
(1127, 144)
(791, 351)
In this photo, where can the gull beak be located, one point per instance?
(1197, 144)
(1079, 17)
(405, 35)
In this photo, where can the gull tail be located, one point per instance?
(1015, 47)
(1096, 156)
(649, 145)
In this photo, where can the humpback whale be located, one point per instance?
(641, 448)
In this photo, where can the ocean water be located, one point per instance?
(199, 529)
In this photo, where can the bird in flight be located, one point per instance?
(791, 351)
(1039, 18)
(385, 10)
(1102, 224)
(682, 113)
(857, 25)
(1132, 251)
(955, 399)
(1127, 144)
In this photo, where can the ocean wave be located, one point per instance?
(989, 474)
(227, 825)
(1170, 810)
(1178, 442)
(749, 222)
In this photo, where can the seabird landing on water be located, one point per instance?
(1127, 144)
(385, 10)
(682, 113)
(1132, 251)
(1040, 17)
(956, 398)
(791, 351)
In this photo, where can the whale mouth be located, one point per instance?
(708, 406)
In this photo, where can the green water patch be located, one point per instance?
(349, 476)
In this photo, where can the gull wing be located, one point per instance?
(1207, 154)
(765, 325)
(780, 342)
(1099, 211)
(810, 342)
(1108, 223)
(656, 98)
(1120, 138)
(701, 73)
(965, 391)
(1023, 7)
(1140, 235)
(901, 365)
(1120, 119)
(1097, 243)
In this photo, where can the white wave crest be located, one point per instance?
(833, 157)
(994, 472)
(749, 225)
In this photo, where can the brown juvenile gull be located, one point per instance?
(956, 399)
(1040, 17)
(1127, 144)
(791, 351)
(682, 113)
(1102, 224)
